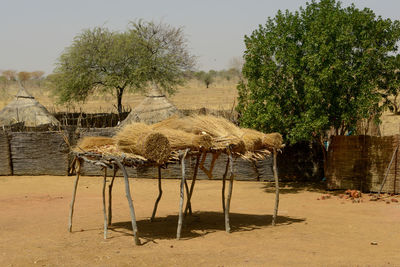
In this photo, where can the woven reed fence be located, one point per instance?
(5, 159)
(39, 153)
(360, 162)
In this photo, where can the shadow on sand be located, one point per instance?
(199, 224)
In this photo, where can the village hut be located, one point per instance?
(25, 108)
(154, 108)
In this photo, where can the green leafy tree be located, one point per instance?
(166, 56)
(98, 60)
(390, 83)
(314, 70)
(109, 61)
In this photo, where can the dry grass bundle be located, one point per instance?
(216, 127)
(179, 139)
(274, 140)
(223, 132)
(90, 143)
(252, 139)
(140, 139)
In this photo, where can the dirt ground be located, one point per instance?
(311, 232)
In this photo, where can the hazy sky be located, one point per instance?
(33, 33)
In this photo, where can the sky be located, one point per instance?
(34, 33)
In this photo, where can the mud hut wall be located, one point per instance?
(5, 158)
(39, 153)
(360, 162)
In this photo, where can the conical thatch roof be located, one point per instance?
(154, 108)
(25, 108)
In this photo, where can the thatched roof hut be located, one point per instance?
(25, 108)
(154, 108)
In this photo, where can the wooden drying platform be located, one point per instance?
(120, 162)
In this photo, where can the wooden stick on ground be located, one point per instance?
(71, 211)
(223, 184)
(182, 193)
(129, 197)
(110, 186)
(228, 200)
(275, 170)
(188, 202)
(159, 195)
(104, 203)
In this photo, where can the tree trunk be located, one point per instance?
(120, 92)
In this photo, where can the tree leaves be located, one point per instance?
(314, 70)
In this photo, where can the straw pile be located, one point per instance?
(255, 140)
(222, 131)
(179, 139)
(91, 143)
(274, 140)
(140, 139)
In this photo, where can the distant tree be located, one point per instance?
(23, 76)
(206, 77)
(11, 75)
(103, 60)
(236, 66)
(37, 76)
(3, 82)
(315, 69)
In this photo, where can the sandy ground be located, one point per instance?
(310, 232)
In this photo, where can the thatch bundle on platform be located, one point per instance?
(255, 140)
(140, 139)
(274, 140)
(90, 143)
(216, 127)
(179, 139)
(222, 131)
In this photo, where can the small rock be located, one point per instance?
(394, 200)
(374, 243)
(171, 246)
(387, 202)
(317, 198)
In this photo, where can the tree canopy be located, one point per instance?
(104, 60)
(315, 69)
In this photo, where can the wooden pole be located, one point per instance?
(159, 195)
(71, 210)
(228, 200)
(182, 193)
(188, 202)
(223, 184)
(104, 203)
(110, 186)
(275, 170)
(129, 197)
